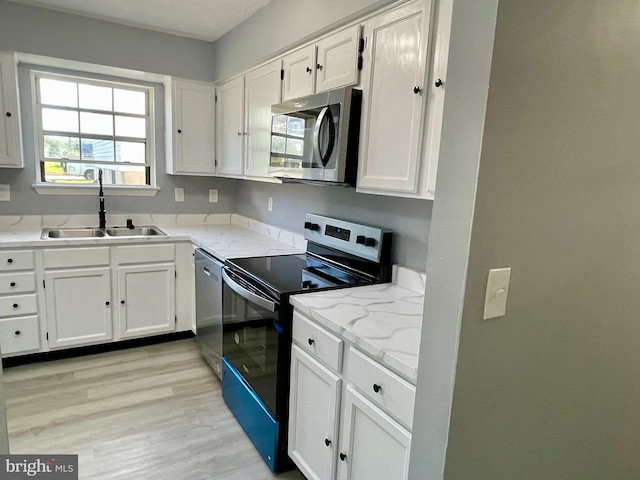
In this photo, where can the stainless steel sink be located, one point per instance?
(72, 233)
(134, 232)
(99, 233)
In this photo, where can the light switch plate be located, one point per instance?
(495, 301)
(179, 194)
(5, 193)
(213, 196)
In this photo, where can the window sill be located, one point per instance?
(92, 190)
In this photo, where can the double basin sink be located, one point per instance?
(89, 232)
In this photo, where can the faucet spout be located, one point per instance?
(101, 212)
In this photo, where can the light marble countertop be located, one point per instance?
(223, 235)
(383, 321)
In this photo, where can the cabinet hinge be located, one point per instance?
(175, 274)
(361, 45)
(360, 62)
(47, 336)
(282, 74)
(175, 320)
(43, 284)
(216, 96)
(215, 163)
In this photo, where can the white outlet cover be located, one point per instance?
(213, 196)
(179, 194)
(495, 301)
(5, 193)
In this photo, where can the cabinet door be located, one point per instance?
(313, 416)
(193, 128)
(393, 101)
(299, 68)
(146, 299)
(337, 63)
(78, 303)
(372, 445)
(262, 89)
(10, 143)
(230, 128)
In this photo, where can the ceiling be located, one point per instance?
(201, 19)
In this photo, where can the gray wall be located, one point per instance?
(406, 217)
(552, 390)
(277, 26)
(43, 32)
(255, 39)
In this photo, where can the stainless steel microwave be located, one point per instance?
(314, 139)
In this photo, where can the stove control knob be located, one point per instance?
(314, 227)
(370, 242)
(307, 225)
(360, 239)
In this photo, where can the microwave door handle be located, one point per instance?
(324, 159)
(248, 295)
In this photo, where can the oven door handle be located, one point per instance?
(247, 294)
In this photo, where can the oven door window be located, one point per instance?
(251, 335)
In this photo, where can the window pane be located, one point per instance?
(95, 98)
(278, 144)
(131, 152)
(59, 120)
(295, 147)
(295, 127)
(61, 147)
(70, 173)
(55, 92)
(279, 124)
(123, 175)
(93, 149)
(127, 101)
(96, 123)
(131, 127)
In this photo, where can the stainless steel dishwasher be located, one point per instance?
(209, 309)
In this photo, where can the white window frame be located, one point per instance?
(45, 188)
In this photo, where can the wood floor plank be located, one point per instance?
(153, 412)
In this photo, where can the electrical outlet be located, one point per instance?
(270, 204)
(213, 196)
(179, 193)
(5, 193)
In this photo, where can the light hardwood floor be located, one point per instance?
(152, 412)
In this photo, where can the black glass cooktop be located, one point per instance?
(294, 273)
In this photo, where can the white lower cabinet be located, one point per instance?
(313, 416)
(78, 304)
(146, 296)
(372, 445)
(348, 423)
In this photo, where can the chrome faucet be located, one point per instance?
(101, 213)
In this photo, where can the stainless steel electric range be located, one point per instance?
(257, 319)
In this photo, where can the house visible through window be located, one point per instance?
(85, 125)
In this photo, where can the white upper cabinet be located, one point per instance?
(337, 60)
(262, 89)
(230, 131)
(330, 63)
(193, 128)
(10, 140)
(393, 84)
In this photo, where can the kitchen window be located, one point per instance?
(85, 125)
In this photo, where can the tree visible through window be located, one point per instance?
(85, 125)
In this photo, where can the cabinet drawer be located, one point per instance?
(18, 305)
(317, 341)
(18, 282)
(16, 260)
(76, 257)
(382, 387)
(19, 335)
(145, 253)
